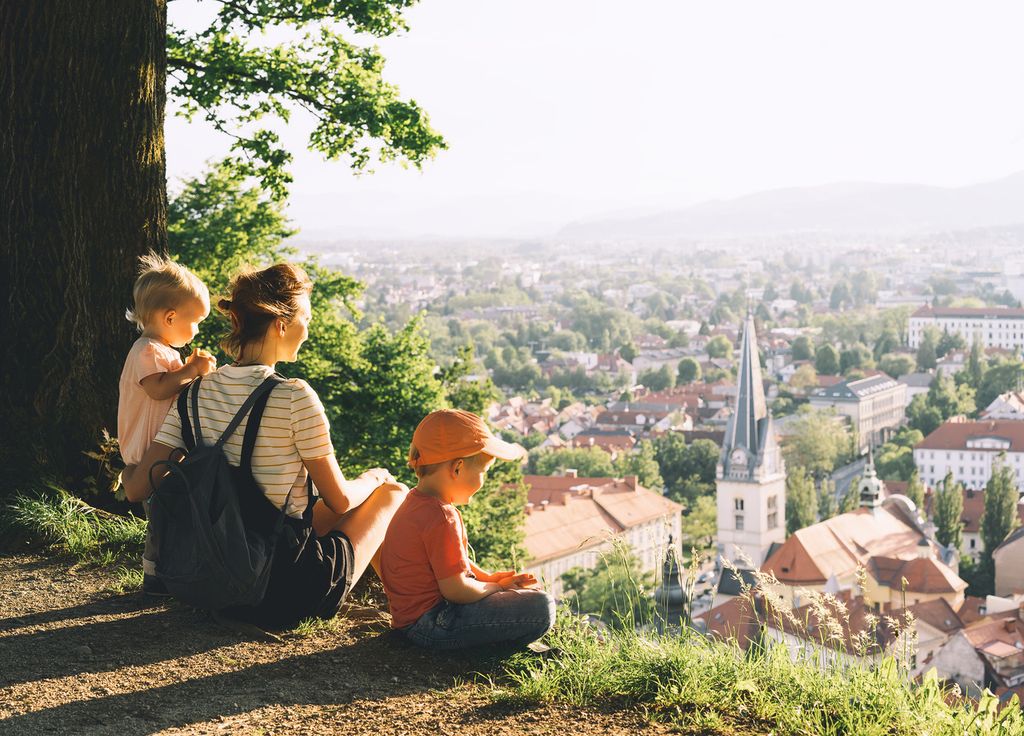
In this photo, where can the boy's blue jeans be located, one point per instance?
(511, 617)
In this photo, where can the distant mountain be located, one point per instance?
(849, 207)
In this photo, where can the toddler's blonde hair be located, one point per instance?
(162, 284)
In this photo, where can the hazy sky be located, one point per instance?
(560, 109)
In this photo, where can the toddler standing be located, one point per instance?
(170, 302)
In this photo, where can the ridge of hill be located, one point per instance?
(840, 208)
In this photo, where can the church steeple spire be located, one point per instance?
(870, 486)
(751, 475)
(751, 406)
(748, 435)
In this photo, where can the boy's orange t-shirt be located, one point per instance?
(425, 542)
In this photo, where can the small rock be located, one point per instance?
(82, 651)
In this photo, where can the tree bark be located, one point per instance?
(82, 195)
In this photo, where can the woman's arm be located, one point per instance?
(136, 477)
(340, 494)
(463, 589)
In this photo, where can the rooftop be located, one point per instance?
(838, 546)
(968, 312)
(857, 388)
(570, 513)
(956, 435)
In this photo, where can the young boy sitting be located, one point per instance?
(438, 597)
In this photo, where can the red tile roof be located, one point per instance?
(733, 619)
(991, 312)
(954, 435)
(971, 609)
(997, 636)
(938, 614)
(923, 575)
(840, 545)
(577, 513)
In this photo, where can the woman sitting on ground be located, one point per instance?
(270, 314)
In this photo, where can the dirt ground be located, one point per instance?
(78, 658)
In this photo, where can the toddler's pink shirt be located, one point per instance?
(138, 416)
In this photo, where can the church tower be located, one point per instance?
(751, 475)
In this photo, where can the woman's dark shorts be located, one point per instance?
(311, 578)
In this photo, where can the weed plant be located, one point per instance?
(73, 527)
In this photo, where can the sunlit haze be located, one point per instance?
(563, 110)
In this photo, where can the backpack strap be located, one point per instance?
(262, 390)
(186, 425)
(252, 427)
(195, 410)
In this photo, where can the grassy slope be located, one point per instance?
(695, 684)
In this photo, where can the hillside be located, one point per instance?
(838, 208)
(79, 658)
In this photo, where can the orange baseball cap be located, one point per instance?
(449, 434)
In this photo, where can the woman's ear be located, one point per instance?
(457, 467)
(281, 327)
(169, 316)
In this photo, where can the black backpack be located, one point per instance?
(214, 530)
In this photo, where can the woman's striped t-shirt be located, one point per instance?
(294, 428)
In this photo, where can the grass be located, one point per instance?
(313, 626)
(127, 580)
(700, 685)
(73, 527)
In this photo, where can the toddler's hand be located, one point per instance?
(203, 361)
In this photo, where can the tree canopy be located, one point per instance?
(227, 75)
(948, 513)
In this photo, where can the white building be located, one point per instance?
(1006, 406)
(751, 475)
(571, 522)
(999, 327)
(967, 450)
(875, 406)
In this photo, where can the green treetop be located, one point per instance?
(826, 360)
(230, 76)
(1001, 499)
(801, 501)
(948, 513)
(688, 371)
(915, 491)
(926, 357)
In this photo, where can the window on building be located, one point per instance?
(773, 502)
(973, 542)
(739, 504)
(773, 519)
(739, 522)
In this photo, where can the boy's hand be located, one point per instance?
(202, 361)
(514, 582)
(494, 577)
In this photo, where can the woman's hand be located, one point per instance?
(379, 476)
(394, 485)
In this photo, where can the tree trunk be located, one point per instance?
(82, 195)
